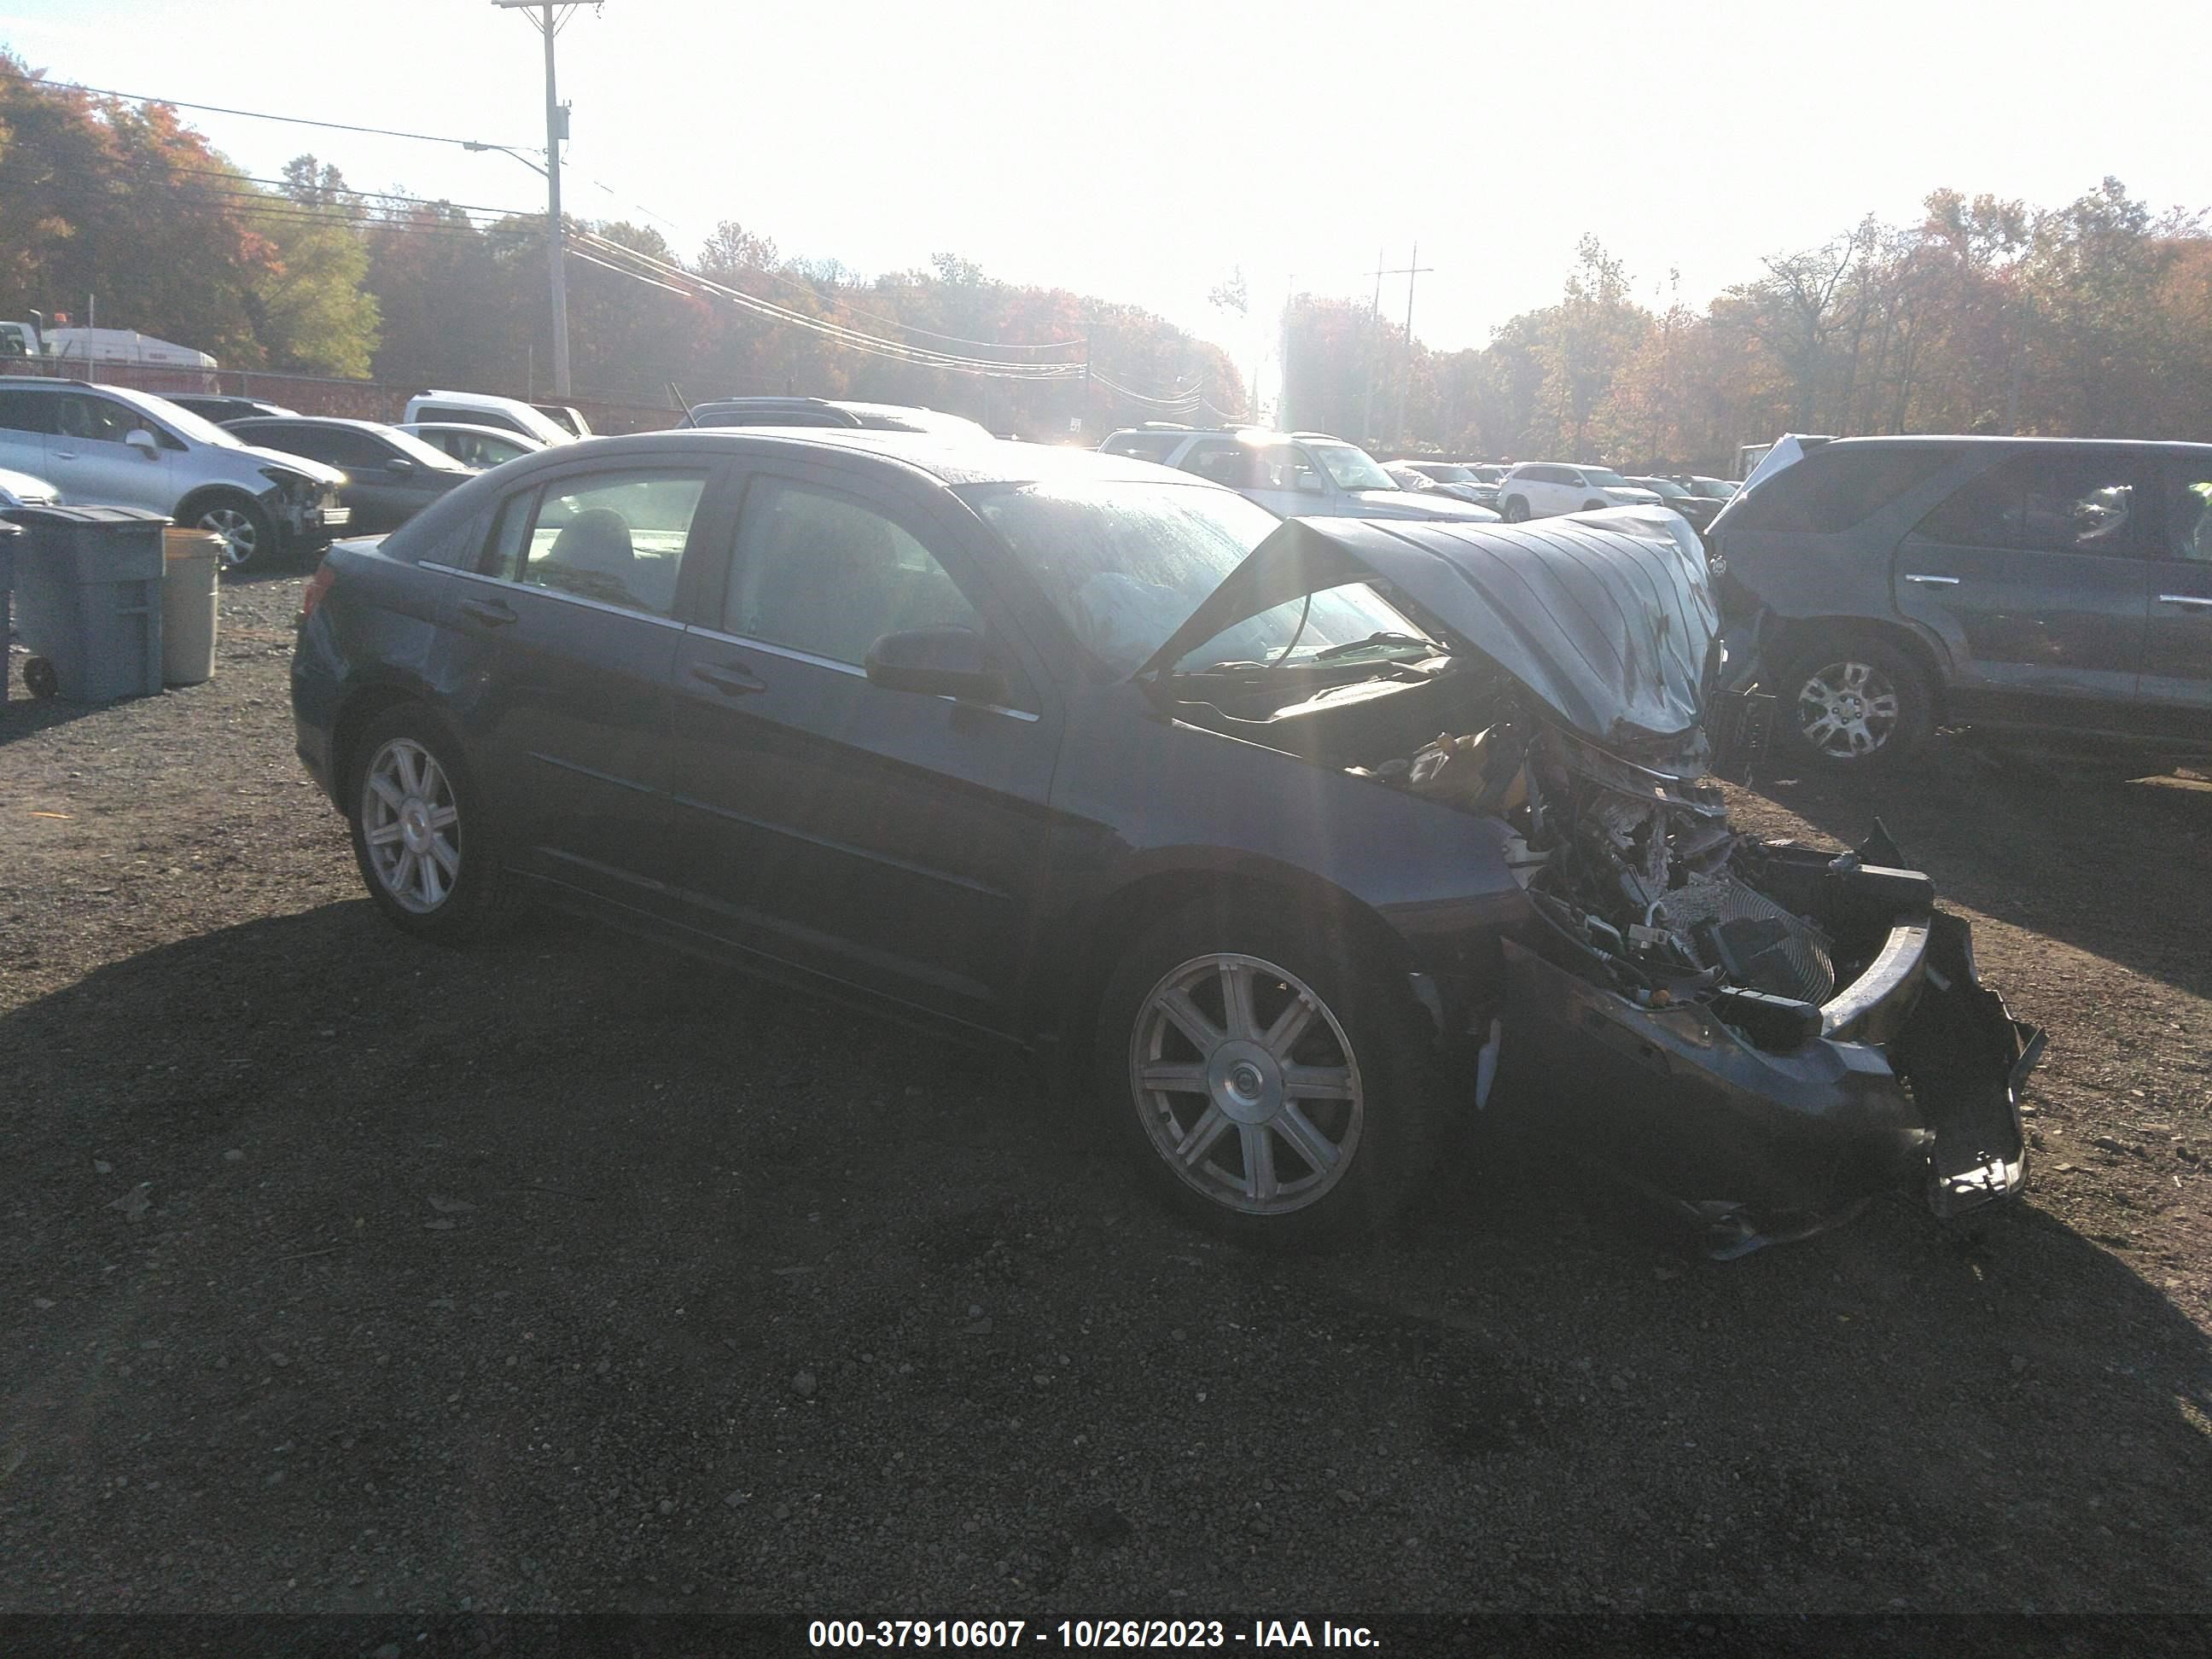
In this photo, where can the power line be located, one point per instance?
(252, 114)
(1188, 403)
(837, 330)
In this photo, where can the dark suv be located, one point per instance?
(2050, 592)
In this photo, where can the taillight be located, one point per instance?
(326, 574)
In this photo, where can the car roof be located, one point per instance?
(507, 433)
(952, 459)
(312, 420)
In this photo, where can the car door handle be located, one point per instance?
(2194, 601)
(65, 454)
(493, 613)
(1935, 581)
(729, 679)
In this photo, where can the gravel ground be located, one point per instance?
(342, 1273)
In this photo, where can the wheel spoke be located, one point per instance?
(382, 835)
(1173, 1076)
(1176, 1005)
(442, 818)
(1317, 1082)
(432, 886)
(1306, 1140)
(1260, 1184)
(1212, 1123)
(387, 791)
(403, 874)
(1290, 1026)
(1237, 999)
(446, 856)
(410, 778)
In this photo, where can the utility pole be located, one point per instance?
(1413, 269)
(547, 16)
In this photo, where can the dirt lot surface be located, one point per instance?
(342, 1274)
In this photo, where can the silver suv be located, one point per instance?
(1292, 474)
(109, 446)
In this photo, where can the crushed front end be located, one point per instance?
(1764, 1032)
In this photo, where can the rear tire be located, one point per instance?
(1275, 1084)
(1516, 510)
(1853, 706)
(420, 836)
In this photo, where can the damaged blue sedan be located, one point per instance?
(1292, 848)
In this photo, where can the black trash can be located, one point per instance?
(88, 601)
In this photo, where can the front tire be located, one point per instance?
(1516, 510)
(1274, 1084)
(249, 534)
(419, 831)
(1856, 706)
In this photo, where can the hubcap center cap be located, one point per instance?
(415, 824)
(1244, 1081)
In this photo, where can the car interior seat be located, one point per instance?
(592, 558)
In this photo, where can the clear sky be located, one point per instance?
(1141, 148)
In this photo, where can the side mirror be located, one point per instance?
(142, 441)
(1308, 483)
(938, 662)
(399, 465)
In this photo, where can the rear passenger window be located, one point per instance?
(2081, 502)
(27, 412)
(1225, 463)
(1837, 486)
(616, 537)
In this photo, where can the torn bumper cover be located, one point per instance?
(1784, 1112)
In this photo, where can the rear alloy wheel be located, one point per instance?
(1269, 1080)
(418, 831)
(249, 536)
(411, 825)
(1858, 706)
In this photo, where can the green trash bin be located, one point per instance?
(88, 601)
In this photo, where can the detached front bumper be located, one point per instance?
(1907, 1079)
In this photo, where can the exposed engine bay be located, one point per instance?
(1636, 871)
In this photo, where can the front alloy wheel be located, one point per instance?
(244, 538)
(1246, 1083)
(1847, 710)
(410, 823)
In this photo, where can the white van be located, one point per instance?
(484, 408)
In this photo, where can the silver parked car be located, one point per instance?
(109, 446)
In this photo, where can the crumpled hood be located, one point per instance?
(1606, 618)
(1416, 504)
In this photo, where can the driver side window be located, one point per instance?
(94, 419)
(827, 574)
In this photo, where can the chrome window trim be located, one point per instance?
(791, 655)
(556, 593)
